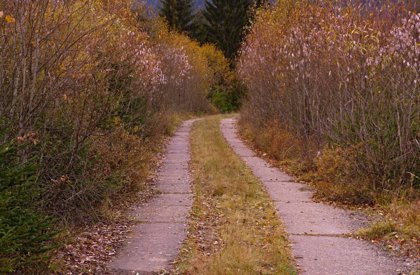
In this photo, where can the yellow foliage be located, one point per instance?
(335, 165)
(10, 19)
(218, 64)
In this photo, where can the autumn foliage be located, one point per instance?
(86, 93)
(335, 83)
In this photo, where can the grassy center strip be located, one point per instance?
(234, 227)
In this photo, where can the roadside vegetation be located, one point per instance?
(223, 23)
(88, 91)
(334, 98)
(234, 227)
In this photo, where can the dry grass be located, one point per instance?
(398, 229)
(332, 173)
(234, 227)
(175, 119)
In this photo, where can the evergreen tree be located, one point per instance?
(168, 12)
(226, 21)
(179, 14)
(185, 14)
(198, 32)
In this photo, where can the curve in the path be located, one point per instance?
(317, 231)
(162, 227)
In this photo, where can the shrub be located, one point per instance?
(25, 234)
(95, 76)
(340, 77)
(95, 90)
(227, 98)
(226, 92)
(221, 100)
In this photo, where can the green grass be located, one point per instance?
(234, 227)
(377, 230)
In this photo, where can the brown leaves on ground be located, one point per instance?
(92, 249)
(204, 229)
(95, 245)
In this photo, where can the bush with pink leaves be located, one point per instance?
(340, 77)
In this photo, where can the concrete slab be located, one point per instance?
(167, 187)
(177, 171)
(157, 213)
(177, 148)
(242, 151)
(316, 230)
(175, 200)
(314, 218)
(288, 192)
(318, 255)
(156, 240)
(177, 158)
(174, 165)
(148, 250)
(175, 179)
(256, 162)
(269, 174)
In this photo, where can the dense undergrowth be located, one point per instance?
(334, 97)
(88, 90)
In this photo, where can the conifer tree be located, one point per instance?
(226, 21)
(179, 14)
(185, 14)
(167, 11)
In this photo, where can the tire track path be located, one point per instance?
(162, 222)
(317, 231)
